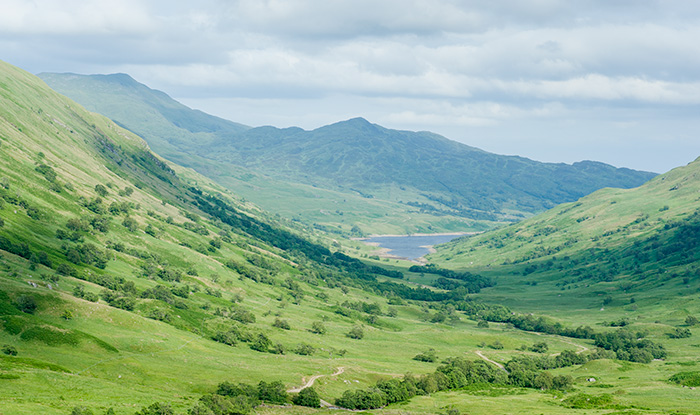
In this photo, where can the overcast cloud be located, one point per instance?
(615, 81)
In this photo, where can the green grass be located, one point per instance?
(105, 357)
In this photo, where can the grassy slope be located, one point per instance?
(386, 181)
(64, 363)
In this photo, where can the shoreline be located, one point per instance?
(383, 252)
(414, 234)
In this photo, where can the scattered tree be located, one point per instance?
(356, 333)
(307, 397)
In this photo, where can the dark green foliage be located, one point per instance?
(26, 304)
(628, 346)
(48, 172)
(130, 224)
(692, 321)
(156, 408)
(282, 324)
(261, 343)
(273, 392)
(85, 254)
(307, 397)
(9, 350)
(679, 333)
(101, 190)
(540, 347)
(213, 404)
(240, 389)
(585, 401)
(20, 249)
(362, 399)
(690, 379)
(81, 410)
(357, 332)
(318, 327)
(429, 355)
(305, 349)
(471, 283)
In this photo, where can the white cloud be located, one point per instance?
(70, 17)
(445, 65)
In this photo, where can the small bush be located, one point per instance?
(318, 327)
(356, 333)
(281, 324)
(9, 350)
(26, 304)
(81, 410)
(427, 356)
(305, 349)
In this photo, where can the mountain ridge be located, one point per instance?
(349, 166)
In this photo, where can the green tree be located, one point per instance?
(101, 190)
(692, 321)
(273, 392)
(156, 408)
(307, 397)
(261, 343)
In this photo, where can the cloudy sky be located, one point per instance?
(552, 80)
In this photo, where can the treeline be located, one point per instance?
(472, 282)
(231, 399)
(624, 343)
(454, 373)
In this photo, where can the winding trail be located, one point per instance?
(481, 355)
(313, 379)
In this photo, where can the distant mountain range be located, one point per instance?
(337, 176)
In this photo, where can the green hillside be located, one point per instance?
(613, 247)
(349, 175)
(132, 286)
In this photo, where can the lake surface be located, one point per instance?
(411, 247)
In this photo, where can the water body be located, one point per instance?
(411, 246)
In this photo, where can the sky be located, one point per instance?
(551, 80)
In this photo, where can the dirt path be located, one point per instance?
(313, 379)
(481, 355)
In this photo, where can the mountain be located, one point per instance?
(620, 245)
(337, 175)
(131, 285)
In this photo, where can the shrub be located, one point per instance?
(81, 410)
(680, 333)
(101, 190)
(305, 349)
(307, 397)
(261, 343)
(691, 379)
(281, 324)
(9, 350)
(318, 327)
(156, 409)
(130, 224)
(26, 304)
(356, 333)
(482, 324)
(540, 347)
(427, 356)
(692, 320)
